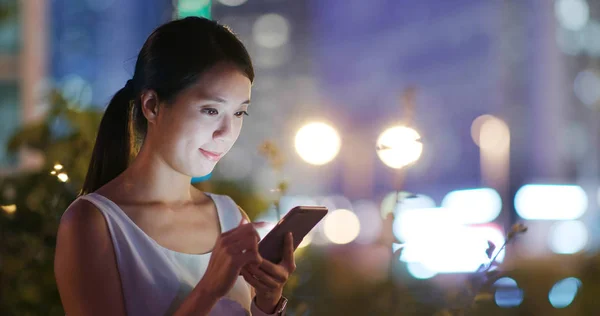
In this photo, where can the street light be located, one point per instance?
(399, 146)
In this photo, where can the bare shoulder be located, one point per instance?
(83, 226)
(237, 209)
(81, 216)
(85, 264)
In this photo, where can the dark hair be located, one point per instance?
(172, 58)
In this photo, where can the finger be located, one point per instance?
(256, 282)
(288, 253)
(275, 271)
(260, 224)
(248, 234)
(264, 277)
(251, 227)
(242, 231)
(238, 247)
(249, 257)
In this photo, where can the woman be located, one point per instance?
(141, 240)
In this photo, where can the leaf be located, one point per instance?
(35, 135)
(490, 250)
(481, 268)
(282, 187)
(443, 312)
(484, 297)
(519, 228)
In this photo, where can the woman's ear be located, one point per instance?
(150, 105)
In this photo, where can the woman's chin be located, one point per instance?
(203, 172)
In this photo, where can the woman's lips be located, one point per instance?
(211, 155)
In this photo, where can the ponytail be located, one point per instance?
(113, 147)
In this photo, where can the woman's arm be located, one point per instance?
(86, 268)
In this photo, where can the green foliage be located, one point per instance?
(28, 236)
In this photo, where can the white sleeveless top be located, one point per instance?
(156, 280)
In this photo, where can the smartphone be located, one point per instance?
(299, 221)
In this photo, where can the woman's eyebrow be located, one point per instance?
(222, 100)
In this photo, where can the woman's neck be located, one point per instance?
(151, 179)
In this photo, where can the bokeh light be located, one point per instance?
(10, 209)
(399, 146)
(587, 87)
(341, 226)
(476, 127)
(187, 8)
(306, 240)
(420, 271)
(474, 206)
(494, 135)
(591, 38)
(232, 3)
(317, 143)
(508, 294)
(413, 223)
(568, 237)
(572, 14)
(63, 177)
(445, 247)
(271, 30)
(551, 202)
(563, 292)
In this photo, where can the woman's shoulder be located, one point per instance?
(228, 206)
(82, 215)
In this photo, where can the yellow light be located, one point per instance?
(494, 135)
(9, 208)
(317, 143)
(476, 127)
(399, 146)
(53, 172)
(305, 241)
(63, 177)
(58, 166)
(341, 226)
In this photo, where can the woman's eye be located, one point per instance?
(240, 113)
(210, 111)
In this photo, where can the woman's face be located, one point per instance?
(204, 121)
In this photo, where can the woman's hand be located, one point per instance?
(233, 250)
(268, 279)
